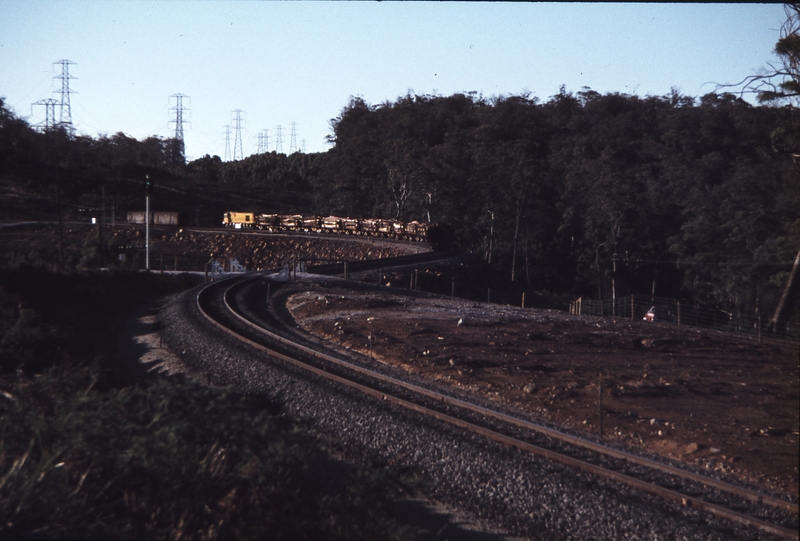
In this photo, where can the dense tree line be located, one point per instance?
(597, 194)
(586, 194)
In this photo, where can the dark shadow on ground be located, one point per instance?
(440, 526)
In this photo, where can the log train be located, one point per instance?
(438, 235)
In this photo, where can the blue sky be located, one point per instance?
(284, 62)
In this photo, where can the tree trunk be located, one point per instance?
(788, 300)
(514, 249)
(599, 279)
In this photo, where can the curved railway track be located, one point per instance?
(229, 305)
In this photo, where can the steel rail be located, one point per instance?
(567, 438)
(665, 493)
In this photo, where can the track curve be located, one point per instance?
(679, 486)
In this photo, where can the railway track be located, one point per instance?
(237, 307)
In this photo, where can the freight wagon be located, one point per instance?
(156, 218)
(439, 235)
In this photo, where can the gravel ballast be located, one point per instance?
(514, 491)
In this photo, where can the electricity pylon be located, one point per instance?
(237, 141)
(279, 139)
(65, 114)
(50, 112)
(179, 109)
(293, 138)
(227, 156)
(263, 142)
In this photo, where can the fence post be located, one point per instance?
(523, 299)
(600, 403)
(758, 324)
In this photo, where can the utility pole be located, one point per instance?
(237, 141)
(50, 112)
(147, 185)
(100, 225)
(279, 139)
(491, 236)
(293, 138)
(65, 113)
(227, 156)
(60, 225)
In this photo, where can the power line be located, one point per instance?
(237, 141)
(65, 113)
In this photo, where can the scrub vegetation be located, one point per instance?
(87, 451)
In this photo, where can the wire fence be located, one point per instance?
(684, 313)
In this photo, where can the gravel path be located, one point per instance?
(521, 494)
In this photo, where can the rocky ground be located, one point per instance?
(191, 249)
(714, 400)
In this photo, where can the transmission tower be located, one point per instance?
(65, 114)
(303, 146)
(263, 142)
(279, 140)
(179, 109)
(237, 141)
(227, 157)
(293, 138)
(50, 112)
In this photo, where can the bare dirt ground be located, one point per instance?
(724, 403)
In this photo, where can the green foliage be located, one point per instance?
(170, 459)
(86, 454)
(585, 191)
